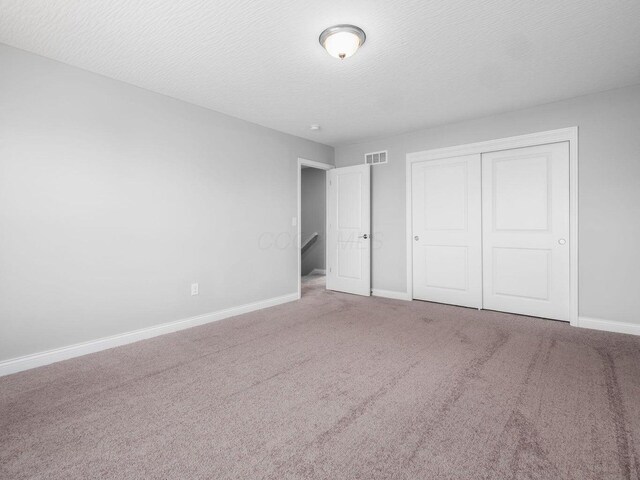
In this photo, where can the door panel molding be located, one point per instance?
(521, 141)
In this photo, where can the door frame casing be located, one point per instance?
(320, 166)
(551, 136)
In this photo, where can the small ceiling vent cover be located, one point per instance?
(376, 158)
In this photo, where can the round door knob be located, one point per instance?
(562, 241)
(416, 238)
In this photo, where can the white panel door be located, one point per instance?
(349, 229)
(446, 230)
(525, 210)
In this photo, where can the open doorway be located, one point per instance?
(312, 222)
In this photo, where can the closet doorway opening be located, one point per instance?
(312, 222)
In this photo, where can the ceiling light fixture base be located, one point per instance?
(342, 41)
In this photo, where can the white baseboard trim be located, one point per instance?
(318, 271)
(34, 360)
(390, 294)
(608, 325)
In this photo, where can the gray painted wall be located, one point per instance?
(609, 192)
(113, 200)
(312, 217)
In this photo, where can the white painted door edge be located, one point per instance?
(312, 164)
(39, 359)
(552, 136)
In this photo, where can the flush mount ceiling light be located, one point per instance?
(342, 41)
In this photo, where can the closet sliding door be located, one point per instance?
(492, 230)
(526, 218)
(446, 229)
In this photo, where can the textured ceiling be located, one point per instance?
(424, 62)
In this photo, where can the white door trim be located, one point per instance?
(322, 166)
(552, 136)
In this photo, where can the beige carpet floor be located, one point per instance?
(335, 387)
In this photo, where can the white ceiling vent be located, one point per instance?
(375, 158)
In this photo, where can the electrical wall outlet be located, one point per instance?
(194, 289)
(294, 221)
